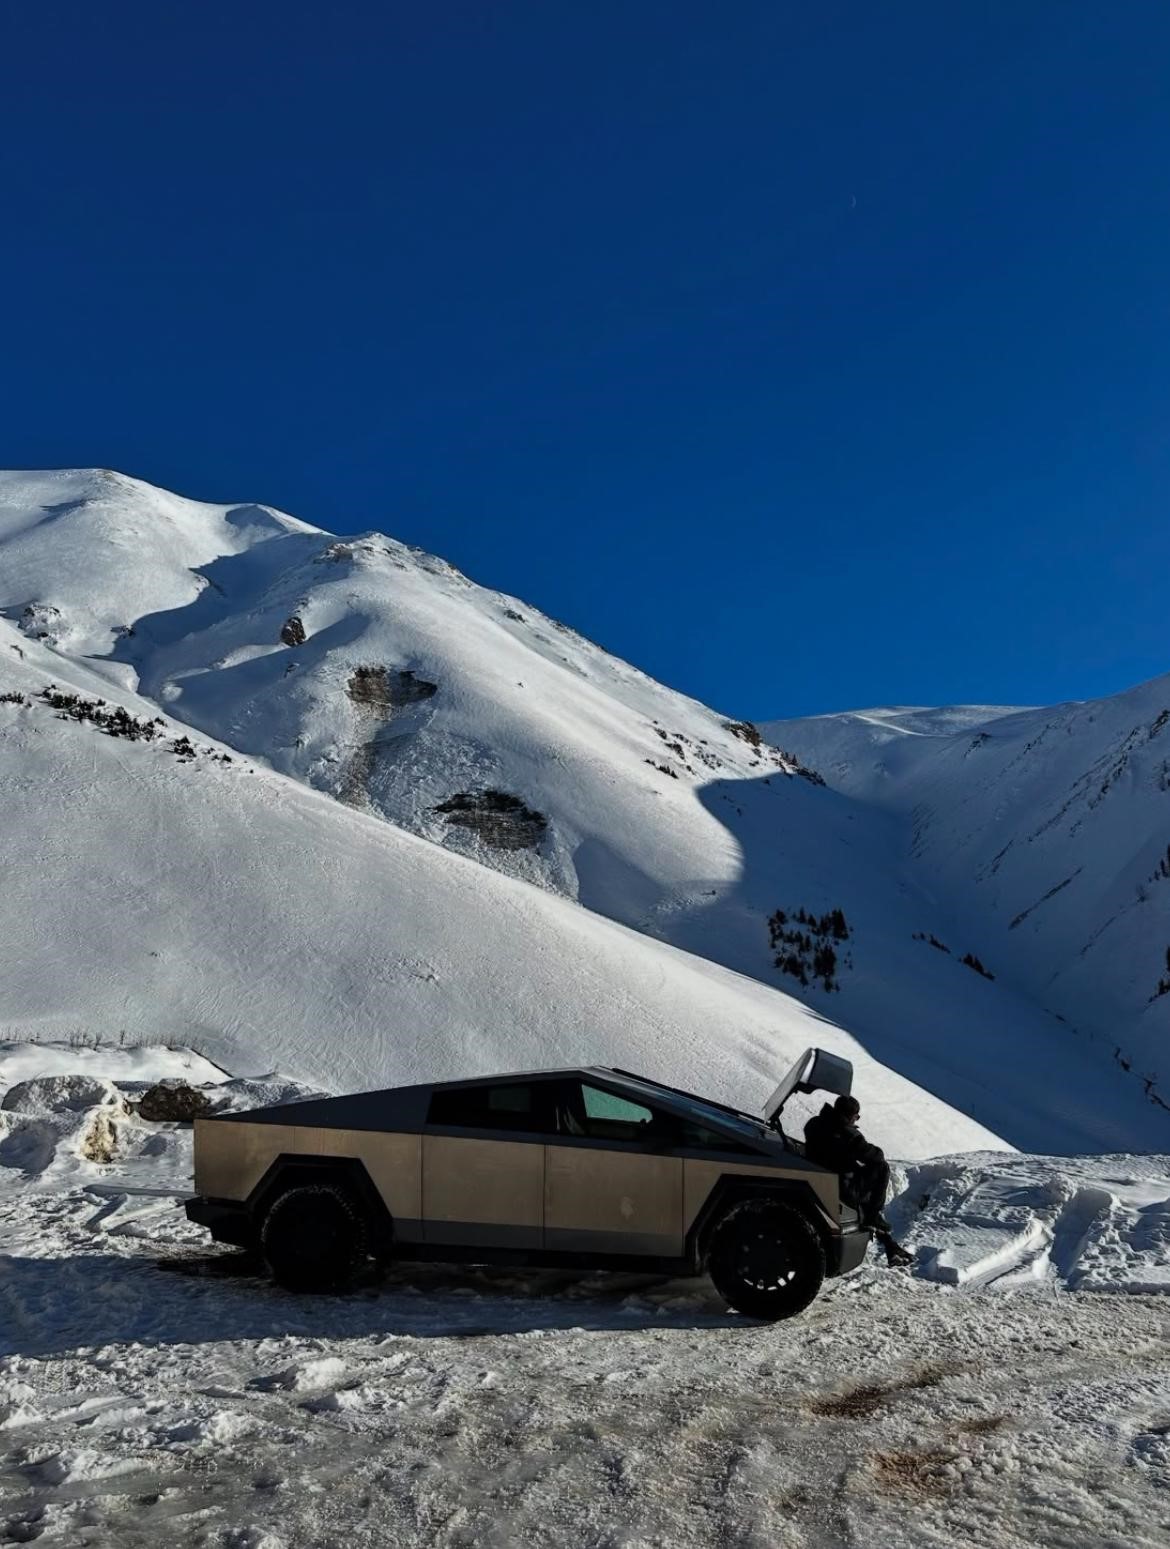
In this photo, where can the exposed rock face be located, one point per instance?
(746, 731)
(500, 820)
(380, 690)
(749, 732)
(377, 692)
(292, 631)
(173, 1102)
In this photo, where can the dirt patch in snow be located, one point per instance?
(981, 1425)
(913, 1473)
(100, 1141)
(856, 1403)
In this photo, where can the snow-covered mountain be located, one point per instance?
(1048, 832)
(383, 678)
(158, 887)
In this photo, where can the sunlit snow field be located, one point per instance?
(1013, 1389)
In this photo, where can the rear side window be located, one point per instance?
(510, 1107)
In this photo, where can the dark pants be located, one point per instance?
(865, 1187)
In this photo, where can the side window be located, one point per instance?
(604, 1116)
(605, 1105)
(513, 1106)
(698, 1137)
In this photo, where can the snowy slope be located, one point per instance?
(1048, 832)
(857, 748)
(411, 686)
(86, 552)
(194, 900)
(382, 677)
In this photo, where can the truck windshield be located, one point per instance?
(707, 1113)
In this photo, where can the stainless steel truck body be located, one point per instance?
(591, 1167)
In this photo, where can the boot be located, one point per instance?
(896, 1256)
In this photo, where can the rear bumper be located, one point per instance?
(850, 1251)
(226, 1219)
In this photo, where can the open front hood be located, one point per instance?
(815, 1071)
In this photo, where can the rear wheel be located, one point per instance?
(314, 1238)
(766, 1259)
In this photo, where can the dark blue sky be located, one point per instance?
(810, 355)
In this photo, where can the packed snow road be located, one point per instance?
(154, 1391)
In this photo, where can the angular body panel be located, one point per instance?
(230, 1160)
(700, 1177)
(476, 1192)
(612, 1201)
(394, 1163)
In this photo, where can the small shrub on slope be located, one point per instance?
(804, 946)
(939, 946)
(114, 720)
(971, 961)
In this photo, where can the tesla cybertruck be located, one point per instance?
(594, 1168)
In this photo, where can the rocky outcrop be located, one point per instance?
(382, 691)
(173, 1102)
(500, 820)
(378, 693)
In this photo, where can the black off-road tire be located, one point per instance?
(766, 1259)
(314, 1237)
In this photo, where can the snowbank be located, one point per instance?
(63, 1123)
(1080, 1223)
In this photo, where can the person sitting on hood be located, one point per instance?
(833, 1140)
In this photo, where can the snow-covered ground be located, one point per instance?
(1013, 1390)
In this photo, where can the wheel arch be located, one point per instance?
(733, 1188)
(349, 1172)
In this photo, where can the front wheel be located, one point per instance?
(766, 1259)
(314, 1238)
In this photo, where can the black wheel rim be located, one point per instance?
(764, 1262)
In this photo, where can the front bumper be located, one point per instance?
(226, 1219)
(851, 1249)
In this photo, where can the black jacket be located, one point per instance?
(831, 1143)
